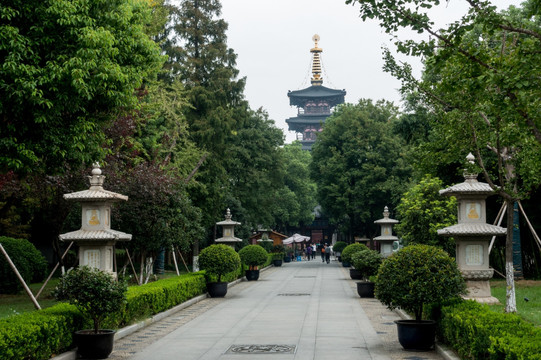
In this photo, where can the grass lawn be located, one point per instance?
(525, 289)
(15, 304)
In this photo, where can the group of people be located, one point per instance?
(310, 251)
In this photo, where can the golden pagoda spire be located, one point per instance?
(317, 80)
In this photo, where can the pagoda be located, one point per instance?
(314, 103)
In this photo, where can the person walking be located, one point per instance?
(314, 251)
(328, 251)
(308, 252)
(322, 253)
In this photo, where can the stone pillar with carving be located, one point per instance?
(386, 239)
(472, 235)
(228, 233)
(96, 240)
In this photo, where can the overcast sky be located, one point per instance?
(273, 38)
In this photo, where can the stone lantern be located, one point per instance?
(472, 235)
(228, 233)
(386, 238)
(96, 240)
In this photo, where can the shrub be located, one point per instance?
(367, 262)
(253, 256)
(278, 249)
(29, 262)
(418, 275)
(350, 250)
(339, 246)
(218, 259)
(94, 292)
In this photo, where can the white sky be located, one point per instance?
(273, 38)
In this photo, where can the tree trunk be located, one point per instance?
(511, 302)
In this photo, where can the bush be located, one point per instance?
(476, 332)
(339, 246)
(94, 292)
(418, 275)
(253, 256)
(29, 262)
(367, 262)
(350, 250)
(40, 334)
(218, 259)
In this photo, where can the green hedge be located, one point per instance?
(476, 332)
(41, 334)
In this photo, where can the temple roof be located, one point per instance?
(315, 92)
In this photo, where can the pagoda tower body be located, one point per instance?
(315, 103)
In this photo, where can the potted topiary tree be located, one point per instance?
(218, 260)
(288, 254)
(277, 255)
(97, 295)
(253, 256)
(367, 262)
(346, 258)
(412, 277)
(338, 247)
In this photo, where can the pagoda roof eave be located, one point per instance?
(95, 235)
(472, 229)
(300, 97)
(95, 195)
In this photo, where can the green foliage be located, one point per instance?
(219, 259)
(30, 263)
(367, 262)
(417, 275)
(358, 166)
(40, 334)
(94, 292)
(67, 67)
(476, 332)
(422, 211)
(351, 249)
(253, 255)
(278, 249)
(339, 246)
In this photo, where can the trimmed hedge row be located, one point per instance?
(476, 332)
(41, 334)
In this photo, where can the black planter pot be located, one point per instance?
(416, 335)
(217, 289)
(355, 274)
(94, 346)
(277, 262)
(287, 259)
(365, 289)
(252, 275)
(345, 264)
(339, 258)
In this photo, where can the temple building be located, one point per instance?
(315, 103)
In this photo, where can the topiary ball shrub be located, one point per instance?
(253, 256)
(339, 246)
(30, 263)
(417, 275)
(350, 250)
(94, 292)
(218, 260)
(367, 262)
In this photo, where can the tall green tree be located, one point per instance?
(422, 211)
(480, 77)
(358, 165)
(296, 200)
(67, 67)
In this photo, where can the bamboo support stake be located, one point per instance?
(184, 262)
(132, 267)
(52, 272)
(175, 259)
(538, 241)
(500, 216)
(26, 288)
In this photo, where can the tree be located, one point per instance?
(357, 165)
(422, 211)
(479, 79)
(66, 68)
(296, 200)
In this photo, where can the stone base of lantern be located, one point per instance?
(480, 292)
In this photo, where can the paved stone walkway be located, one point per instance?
(302, 310)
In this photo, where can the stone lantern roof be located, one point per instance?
(228, 230)
(228, 220)
(386, 224)
(96, 191)
(386, 219)
(472, 229)
(469, 187)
